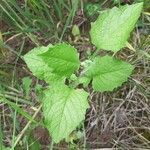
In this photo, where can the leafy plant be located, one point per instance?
(64, 106)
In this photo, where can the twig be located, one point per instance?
(26, 127)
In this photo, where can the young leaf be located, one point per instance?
(75, 31)
(63, 59)
(108, 73)
(36, 64)
(112, 28)
(26, 83)
(64, 108)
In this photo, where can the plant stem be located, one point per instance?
(84, 144)
(51, 146)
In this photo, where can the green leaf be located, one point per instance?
(64, 108)
(63, 59)
(91, 9)
(108, 73)
(84, 80)
(75, 30)
(36, 64)
(26, 83)
(112, 28)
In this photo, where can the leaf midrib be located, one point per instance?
(65, 101)
(55, 57)
(107, 72)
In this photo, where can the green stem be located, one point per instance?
(74, 84)
(84, 144)
(51, 146)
